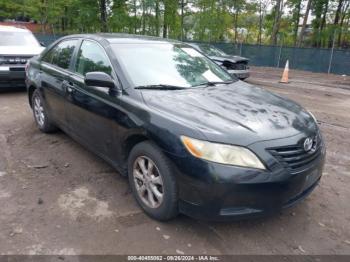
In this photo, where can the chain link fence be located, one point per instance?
(309, 59)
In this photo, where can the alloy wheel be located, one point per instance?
(148, 182)
(39, 111)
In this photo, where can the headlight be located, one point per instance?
(221, 153)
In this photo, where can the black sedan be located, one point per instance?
(235, 65)
(190, 138)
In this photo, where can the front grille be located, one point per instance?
(239, 66)
(243, 65)
(294, 157)
(14, 60)
(17, 69)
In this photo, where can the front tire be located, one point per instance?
(152, 181)
(40, 113)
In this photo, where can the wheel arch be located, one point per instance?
(31, 90)
(132, 141)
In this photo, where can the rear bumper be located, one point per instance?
(12, 77)
(241, 74)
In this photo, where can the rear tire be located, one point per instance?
(152, 181)
(40, 113)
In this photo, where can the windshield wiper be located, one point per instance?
(214, 83)
(160, 87)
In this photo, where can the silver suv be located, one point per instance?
(17, 45)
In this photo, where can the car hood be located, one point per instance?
(232, 59)
(21, 50)
(235, 114)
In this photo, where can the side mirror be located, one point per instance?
(99, 79)
(42, 44)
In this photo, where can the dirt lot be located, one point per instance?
(58, 198)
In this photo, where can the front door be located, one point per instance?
(89, 111)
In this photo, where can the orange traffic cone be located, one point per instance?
(285, 74)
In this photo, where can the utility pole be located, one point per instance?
(332, 52)
(280, 51)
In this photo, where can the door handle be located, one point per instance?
(70, 89)
(69, 86)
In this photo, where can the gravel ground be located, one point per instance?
(58, 198)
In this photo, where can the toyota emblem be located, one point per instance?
(308, 143)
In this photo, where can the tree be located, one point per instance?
(157, 14)
(263, 4)
(10, 9)
(40, 11)
(235, 8)
(344, 13)
(295, 5)
(203, 20)
(277, 21)
(103, 15)
(119, 20)
(323, 22)
(170, 26)
(317, 23)
(306, 17)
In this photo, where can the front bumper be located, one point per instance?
(240, 201)
(241, 74)
(12, 76)
(218, 192)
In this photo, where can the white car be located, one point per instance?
(17, 45)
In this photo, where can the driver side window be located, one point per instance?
(92, 58)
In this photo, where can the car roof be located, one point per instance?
(117, 38)
(5, 28)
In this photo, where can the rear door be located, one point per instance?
(54, 74)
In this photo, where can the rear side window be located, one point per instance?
(92, 58)
(61, 54)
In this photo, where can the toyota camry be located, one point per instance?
(190, 137)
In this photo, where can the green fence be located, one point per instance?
(310, 59)
(47, 39)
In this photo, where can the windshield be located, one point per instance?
(18, 39)
(167, 64)
(211, 50)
